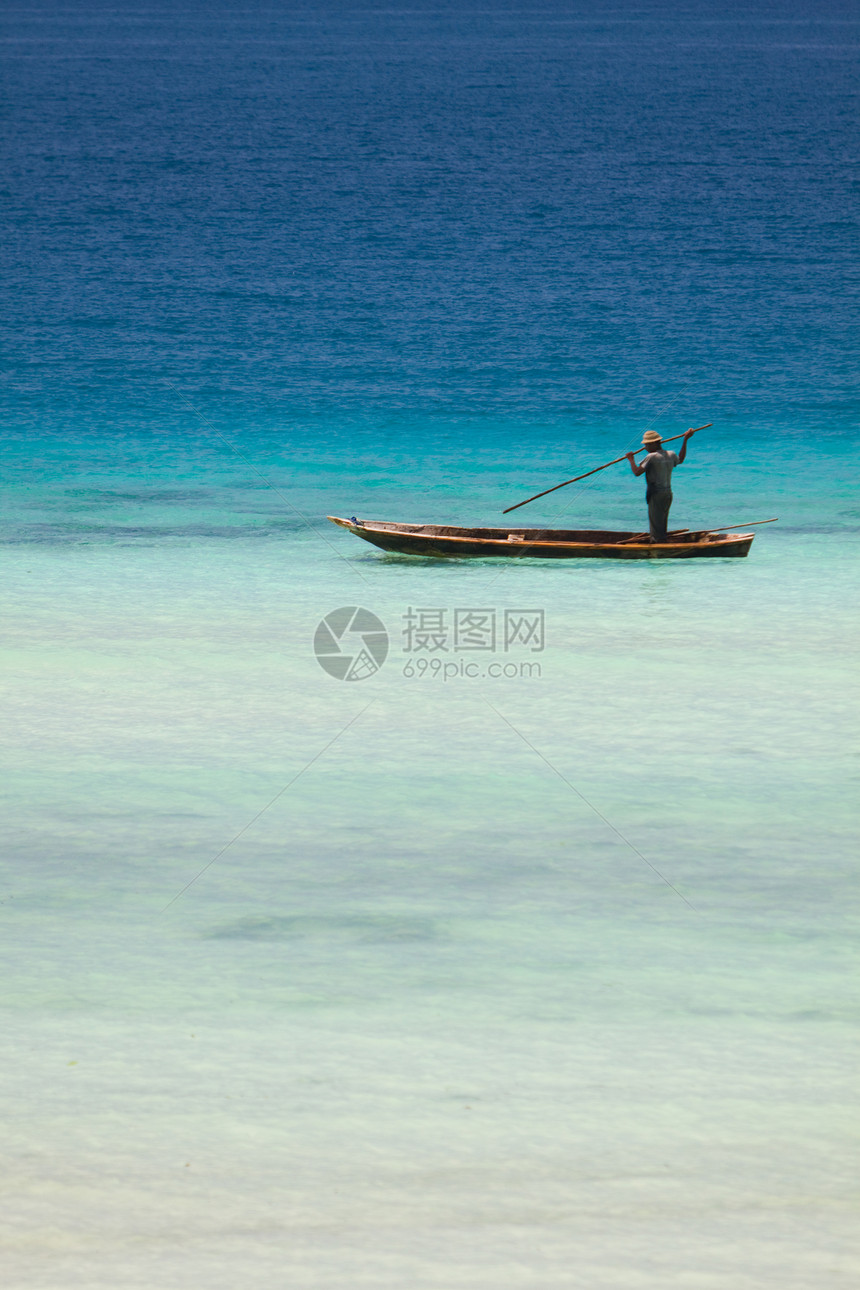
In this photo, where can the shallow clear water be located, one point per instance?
(433, 979)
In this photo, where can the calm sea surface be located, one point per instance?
(527, 960)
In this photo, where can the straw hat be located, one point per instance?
(651, 436)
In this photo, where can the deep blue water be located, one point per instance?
(537, 981)
(546, 216)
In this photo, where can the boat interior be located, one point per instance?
(511, 533)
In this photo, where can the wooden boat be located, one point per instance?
(543, 544)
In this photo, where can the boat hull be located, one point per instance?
(542, 544)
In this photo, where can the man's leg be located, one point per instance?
(658, 514)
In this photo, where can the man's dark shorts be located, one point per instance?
(659, 500)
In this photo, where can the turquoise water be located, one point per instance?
(436, 979)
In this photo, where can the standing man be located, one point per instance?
(657, 466)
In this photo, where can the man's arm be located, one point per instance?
(682, 454)
(638, 469)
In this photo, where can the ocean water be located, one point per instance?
(527, 960)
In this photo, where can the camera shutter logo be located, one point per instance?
(351, 643)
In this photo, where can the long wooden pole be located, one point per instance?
(576, 478)
(694, 533)
(725, 528)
